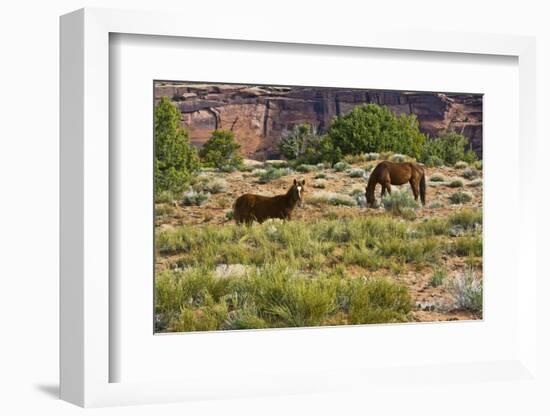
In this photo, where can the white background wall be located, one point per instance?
(29, 116)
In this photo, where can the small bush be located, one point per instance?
(210, 184)
(470, 173)
(306, 168)
(229, 215)
(272, 174)
(379, 301)
(456, 183)
(320, 175)
(193, 197)
(461, 165)
(439, 277)
(399, 201)
(331, 198)
(436, 177)
(434, 161)
(221, 151)
(467, 219)
(436, 204)
(467, 291)
(398, 158)
(319, 184)
(448, 148)
(460, 197)
(341, 166)
(478, 164)
(476, 183)
(163, 210)
(372, 156)
(354, 158)
(356, 173)
(164, 197)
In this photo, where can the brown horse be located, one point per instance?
(389, 173)
(250, 207)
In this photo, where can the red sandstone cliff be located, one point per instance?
(259, 115)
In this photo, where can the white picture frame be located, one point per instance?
(85, 352)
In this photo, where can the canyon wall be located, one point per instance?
(260, 115)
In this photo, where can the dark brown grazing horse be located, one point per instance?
(389, 173)
(250, 207)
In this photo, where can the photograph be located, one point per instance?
(280, 206)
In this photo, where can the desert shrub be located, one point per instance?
(209, 184)
(456, 183)
(163, 210)
(176, 160)
(476, 183)
(448, 148)
(478, 164)
(373, 128)
(398, 158)
(341, 166)
(321, 175)
(372, 156)
(306, 168)
(245, 318)
(351, 159)
(399, 201)
(470, 173)
(467, 290)
(468, 246)
(305, 146)
(193, 197)
(436, 205)
(437, 177)
(378, 301)
(461, 165)
(356, 173)
(164, 197)
(271, 174)
(221, 151)
(331, 198)
(460, 197)
(320, 184)
(439, 277)
(433, 161)
(229, 215)
(467, 219)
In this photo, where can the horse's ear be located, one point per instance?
(294, 181)
(303, 181)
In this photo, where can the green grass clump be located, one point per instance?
(320, 175)
(470, 173)
(319, 184)
(436, 204)
(341, 166)
(209, 184)
(331, 198)
(273, 296)
(461, 165)
(467, 291)
(399, 201)
(436, 177)
(193, 197)
(356, 173)
(460, 197)
(468, 219)
(306, 168)
(456, 183)
(439, 277)
(378, 301)
(476, 183)
(478, 164)
(271, 174)
(468, 246)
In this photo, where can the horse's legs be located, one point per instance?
(414, 186)
(385, 187)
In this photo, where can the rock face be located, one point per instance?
(260, 115)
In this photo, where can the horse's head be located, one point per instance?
(369, 195)
(296, 192)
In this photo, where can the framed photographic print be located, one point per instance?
(274, 214)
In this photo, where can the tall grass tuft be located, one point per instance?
(467, 291)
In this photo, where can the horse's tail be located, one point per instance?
(423, 188)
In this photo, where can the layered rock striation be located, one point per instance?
(260, 115)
